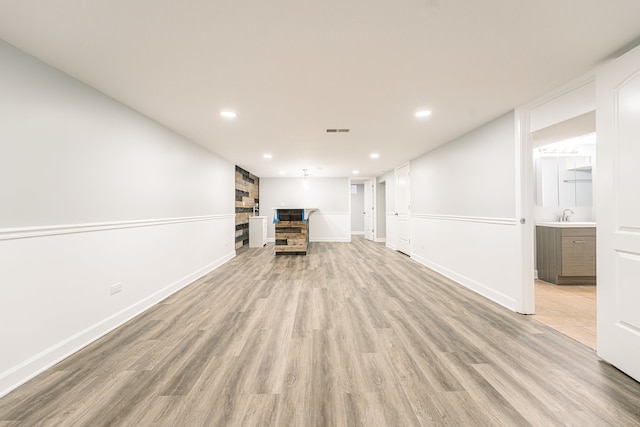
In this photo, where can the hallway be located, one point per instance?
(351, 334)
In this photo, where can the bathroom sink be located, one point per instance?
(574, 224)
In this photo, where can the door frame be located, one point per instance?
(525, 187)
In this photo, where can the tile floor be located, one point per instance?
(570, 309)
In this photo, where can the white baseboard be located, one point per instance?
(469, 283)
(381, 239)
(20, 374)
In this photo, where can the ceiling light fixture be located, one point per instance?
(267, 156)
(281, 172)
(356, 172)
(228, 114)
(423, 113)
(374, 155)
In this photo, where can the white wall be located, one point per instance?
(331, 223)
(463, 211)
(471, 176)
(357, 210)
(93, 194)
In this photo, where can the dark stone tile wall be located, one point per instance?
(247, 195)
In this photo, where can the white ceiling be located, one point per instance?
(293, 68)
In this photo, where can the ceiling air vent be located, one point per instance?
(338, 130)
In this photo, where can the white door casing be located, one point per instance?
(368, 210)
(618, 212)
(403, 208)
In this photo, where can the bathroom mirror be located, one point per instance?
(564, 181)
(564, 173)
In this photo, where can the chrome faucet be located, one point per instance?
(565, 215)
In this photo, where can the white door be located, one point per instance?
(368, 210)
(618, 212)
(403, 209)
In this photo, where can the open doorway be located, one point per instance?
(362, 207)
(357, 209)
(564, 214)
(564, 156)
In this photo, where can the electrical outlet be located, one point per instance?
(114, 289)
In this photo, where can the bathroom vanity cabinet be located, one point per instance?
(566, 255)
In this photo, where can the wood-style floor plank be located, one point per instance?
(352, 334)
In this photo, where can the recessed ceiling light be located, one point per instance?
(423, 113)
(374, 155)
(356, 172)
(267, 156)
(228, 114)
(281, 172)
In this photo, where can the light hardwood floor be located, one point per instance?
(570, 309)
(352, 334)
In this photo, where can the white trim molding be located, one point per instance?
(56, 230)
(477, 219)
(150, 259)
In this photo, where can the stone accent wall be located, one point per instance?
(247, 195)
